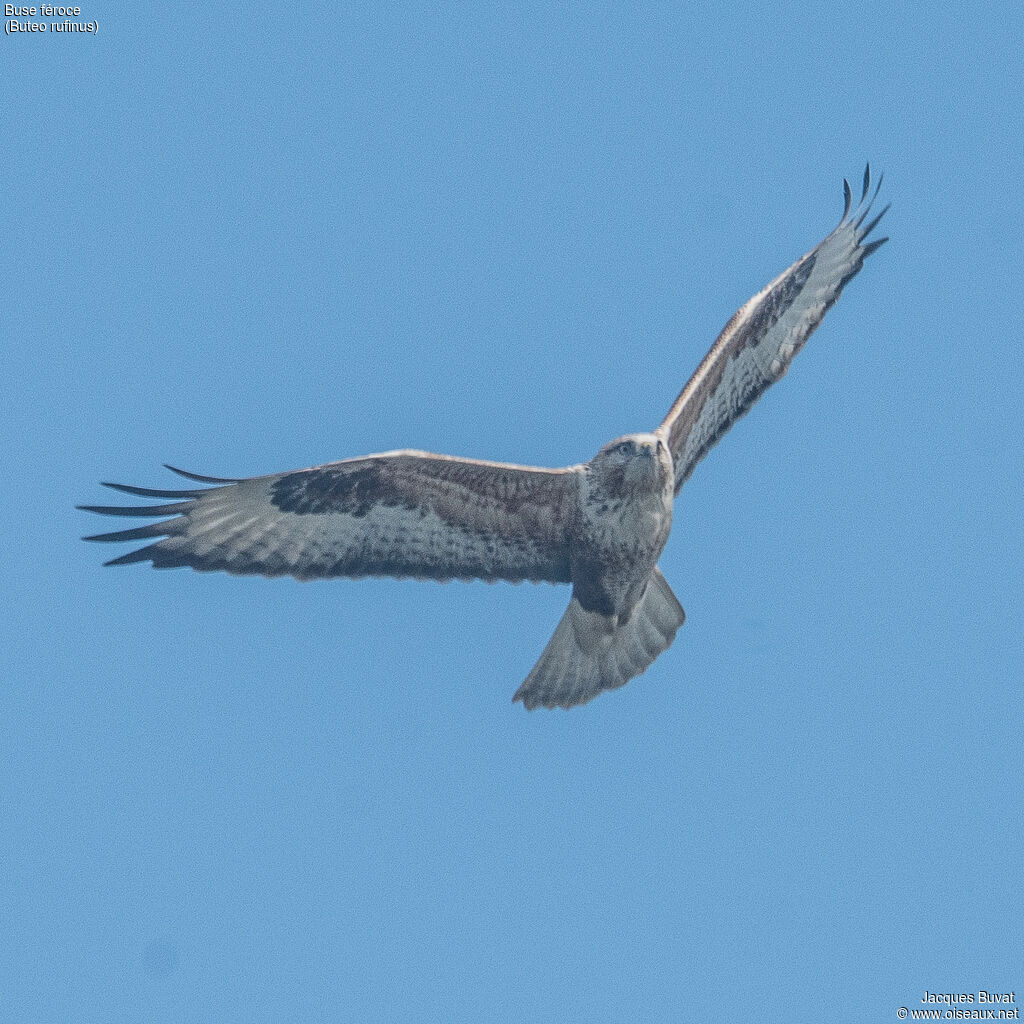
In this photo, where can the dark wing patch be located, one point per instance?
(394, 514)
(351, 492)
(775, 303)
(763, 337)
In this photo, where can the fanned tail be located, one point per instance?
(590, 653)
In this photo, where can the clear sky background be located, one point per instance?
(251, 238)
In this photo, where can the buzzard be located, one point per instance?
(600, 525)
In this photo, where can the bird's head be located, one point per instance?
(640, 461)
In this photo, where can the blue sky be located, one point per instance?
(250, 239)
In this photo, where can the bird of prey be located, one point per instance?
(600, 525)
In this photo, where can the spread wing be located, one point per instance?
(757, 345)
(399, 514)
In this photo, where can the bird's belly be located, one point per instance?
(611, 568)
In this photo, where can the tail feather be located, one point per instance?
(590, 653)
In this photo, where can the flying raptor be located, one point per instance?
(600, 525)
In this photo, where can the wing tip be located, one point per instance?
(874, 223)
(138, 533)
(863, 203)
(159, 492)
(151, 492)
(872, 246)
(175, 508)
(200, 478)
(138, 555)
